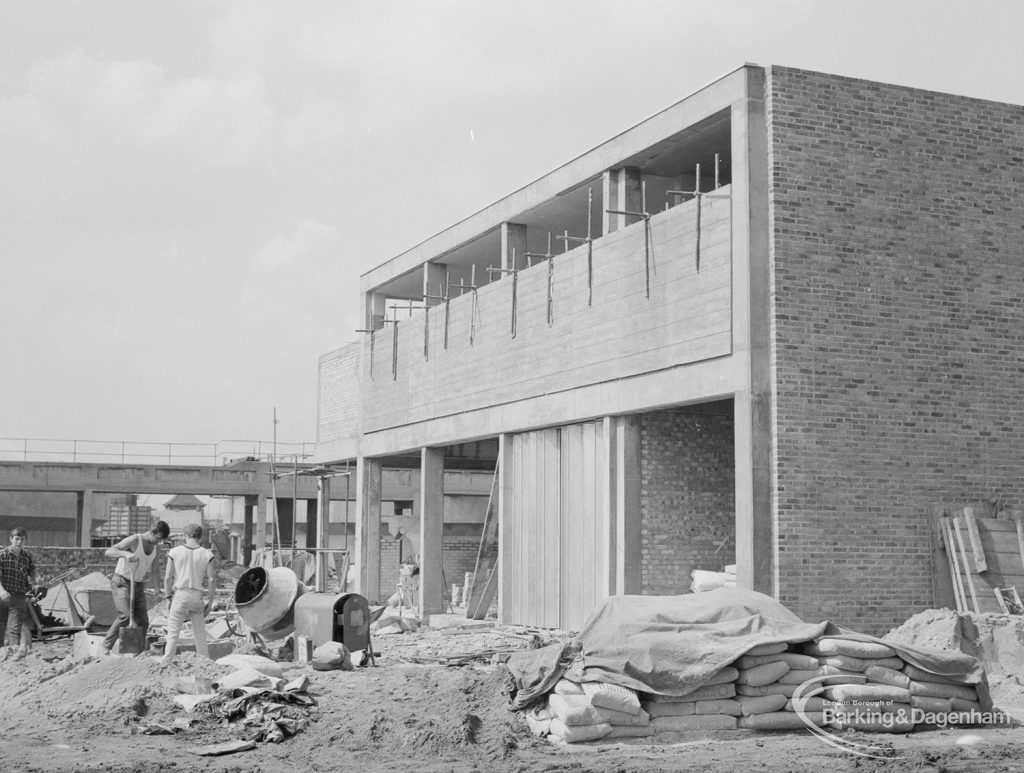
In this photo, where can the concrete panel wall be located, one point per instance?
(687, 463)
(687, 319)
(898, 287)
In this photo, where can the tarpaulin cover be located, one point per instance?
(670, 645)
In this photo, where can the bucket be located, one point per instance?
(266, 600)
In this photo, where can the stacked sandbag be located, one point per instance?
(578, 712)
(934, 694)
(768, 676)
(866, 689)
(710, 706)
(703, 580)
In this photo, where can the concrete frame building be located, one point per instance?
(772, 325)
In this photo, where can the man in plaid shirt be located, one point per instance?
(17, 575)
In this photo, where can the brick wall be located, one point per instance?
(687, 495)
(338, 395)
(459, 547)
(898, 327)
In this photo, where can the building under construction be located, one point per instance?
(777, 324)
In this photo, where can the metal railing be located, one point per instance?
(142, 452)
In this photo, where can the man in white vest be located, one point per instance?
(189, 568)
(135, 556)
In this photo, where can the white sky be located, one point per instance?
(190, 190)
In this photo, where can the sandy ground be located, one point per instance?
(410, 711)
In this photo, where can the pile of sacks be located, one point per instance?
(586, 712)
(869, 687)
(703, 580)
(854, 684)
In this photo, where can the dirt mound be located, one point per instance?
(939, 629)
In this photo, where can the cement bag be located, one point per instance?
(851, 647)
(612, 696)
(761, 704)
(246, 677)
(932, 705)
(727, 674)
(768, 649)
(622, 718)
(937, 690)
(849, 663)
(726, 706)
(578, 733)
(331, 656)
(799, 676)
(839, 676)
(775, 688)
(573, 710)
(703, 722)
(885, 675)
(793, 659)
(811, 704)
(671, 709)
(263, 665)
(959, 704)
(763, 674)
(704, 693)
(893, 718)
(779, 720)
(704, 580)
(845, 693)
(630, 731)
(566, 687)
(920, 675)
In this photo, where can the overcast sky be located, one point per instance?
(190, 190)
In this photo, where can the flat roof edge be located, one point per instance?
(546, 186)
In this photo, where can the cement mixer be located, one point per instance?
(265, 599)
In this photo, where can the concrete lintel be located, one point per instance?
(699, 382)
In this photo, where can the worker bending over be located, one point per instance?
(135, 556)
(187, 566)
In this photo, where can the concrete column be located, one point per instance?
(621, 188)
(323, 490)
(433, 282)
(262, 511)
(626, 468)
(504, 569)
(376, 308)
(755, 533)
(285, 511)
(311, 523)
(367, 553)
(513, 242)
(248, 544)
(432, 586)
(85, 506)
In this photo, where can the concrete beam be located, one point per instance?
(432, 585)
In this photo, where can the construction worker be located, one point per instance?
(188, 566)
(17, 578)
(135, 556)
